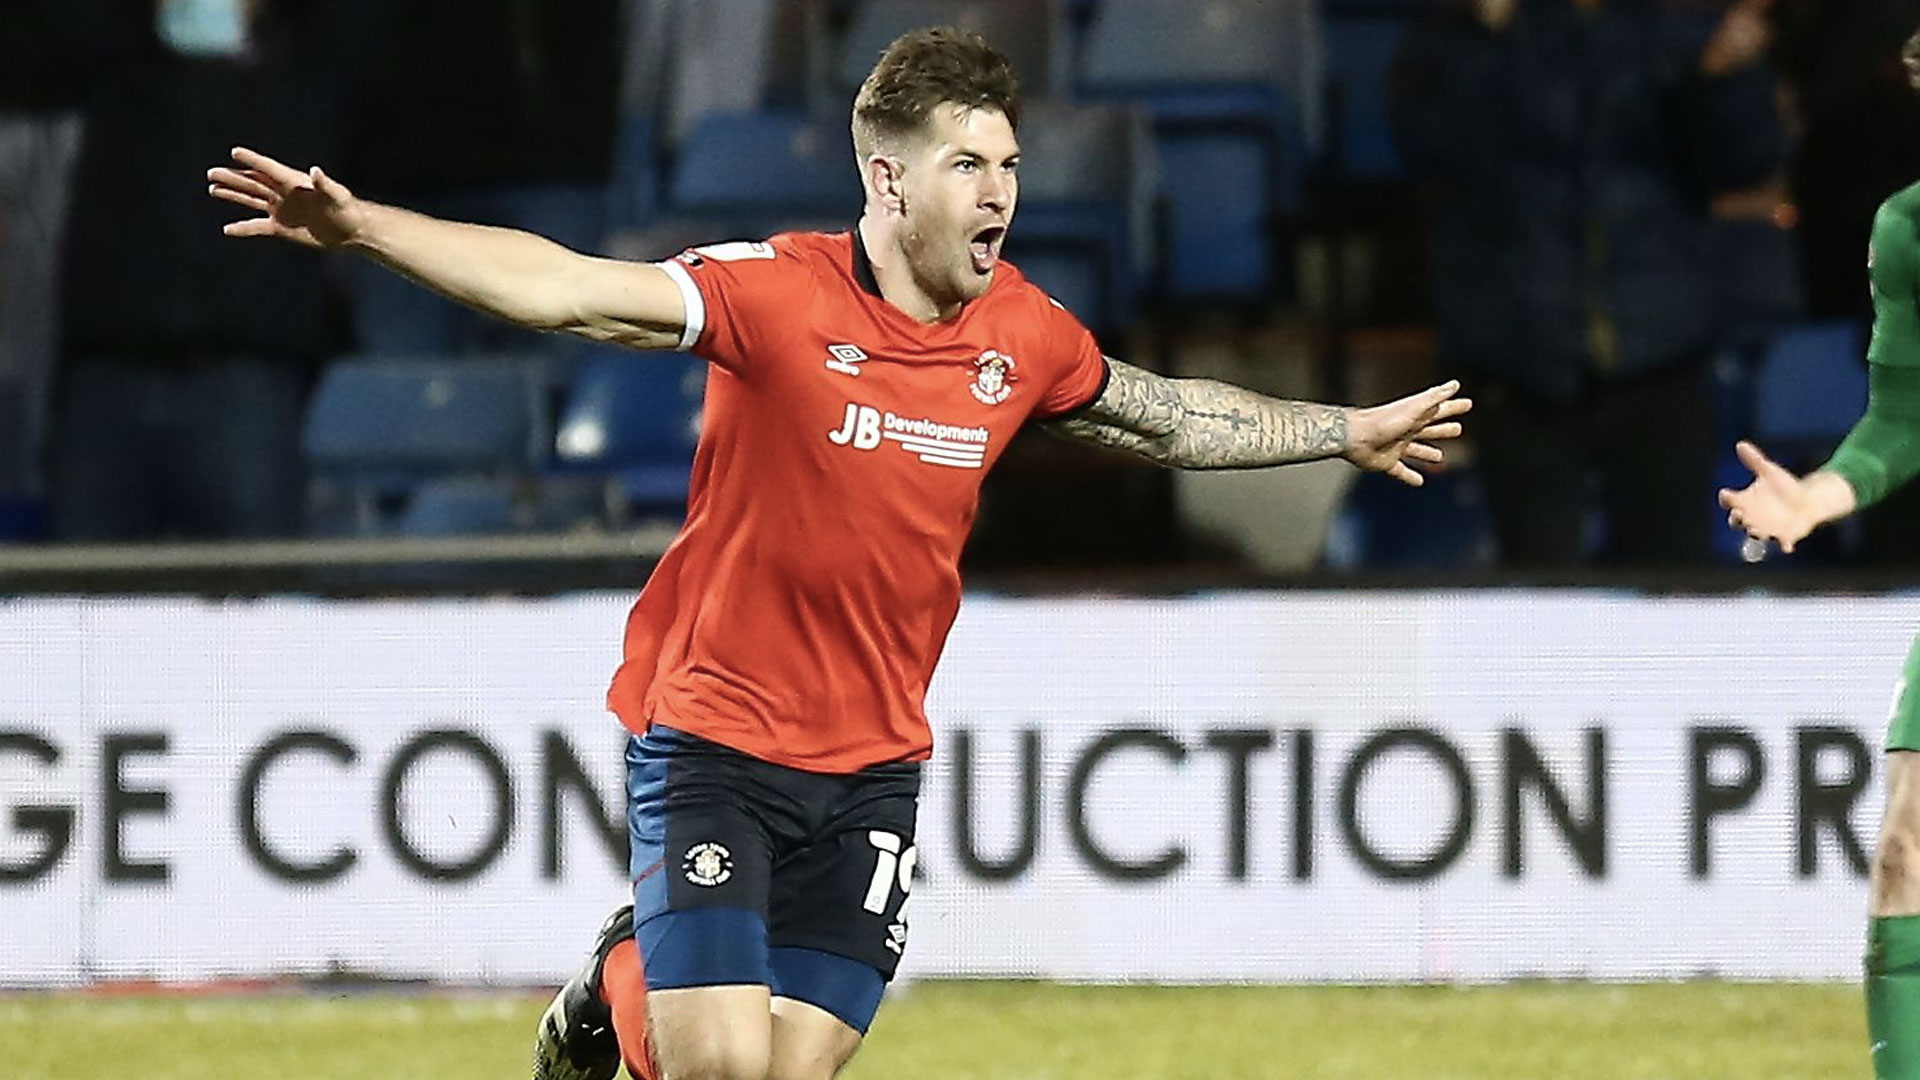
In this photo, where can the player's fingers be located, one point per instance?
(1756, 459)
(240, 198)
(1726, 498)
(249, 181)
(1459, 406)
(328, 186)
(1448, 430)
(260, 226)
(1427, 403)
(1420, 451)
(274, 172)
(1407, 475)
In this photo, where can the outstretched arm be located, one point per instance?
(1204, 424)
(515, 275)
(1881, 453)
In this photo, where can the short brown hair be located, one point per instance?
(923, 70)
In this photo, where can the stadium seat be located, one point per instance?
(1360, 143)
(687, 60)
(381, 416)
(1075, 279)
(380, 427)
(1810, 388)
(462, 506)
(1084, 228)
(634, 420)
(1216, 82)
(1386, 525)
(755, 172)
(1030, 32)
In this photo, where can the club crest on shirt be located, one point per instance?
(993, 377)
(708, 864)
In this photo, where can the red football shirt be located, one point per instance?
(798, 615)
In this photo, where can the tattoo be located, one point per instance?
(1204, 424)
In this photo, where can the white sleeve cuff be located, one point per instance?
(696, 320)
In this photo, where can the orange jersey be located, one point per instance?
(798, 615)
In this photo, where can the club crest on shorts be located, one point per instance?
(708, 864)
(993, 377)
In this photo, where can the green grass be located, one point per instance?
(1014, 1031)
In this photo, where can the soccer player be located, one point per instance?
(1881, 453)
(776, 663)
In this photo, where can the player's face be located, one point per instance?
(959, 194)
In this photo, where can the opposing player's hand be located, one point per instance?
(1391, 438)
(1775, 507)
(308, 208)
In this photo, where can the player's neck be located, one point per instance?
(881, 239)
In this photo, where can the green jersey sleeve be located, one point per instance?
(1882, 451)
(1893, 262)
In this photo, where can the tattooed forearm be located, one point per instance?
(1203, 424)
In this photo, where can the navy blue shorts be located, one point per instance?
(747, 872)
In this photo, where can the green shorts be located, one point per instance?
(1903, 727)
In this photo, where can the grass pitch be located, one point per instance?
(1013, 1031)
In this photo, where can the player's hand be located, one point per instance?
(1390, 438)
(308, 208)
(1775, 507)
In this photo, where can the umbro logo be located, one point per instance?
(842, 358)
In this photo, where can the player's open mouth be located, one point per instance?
(986, 247)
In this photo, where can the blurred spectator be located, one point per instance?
(500, 112)
(1859, 127)
(1569, 148)
(39, 134)
(186, 356)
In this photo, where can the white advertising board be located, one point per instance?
(1240, 786)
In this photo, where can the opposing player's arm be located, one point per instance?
(517, 276)
(1205, 424)
(1882, 451)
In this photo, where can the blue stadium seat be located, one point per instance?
(385, 416)
(634, 419)
(1075, 280)
(1810, 388)
(462, 506)
(1386, 525)
(380, 427)
(1216, 83)
(1084, 227)
(755, 171)
(1029, 32)
(1360, 54)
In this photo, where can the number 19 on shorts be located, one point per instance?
(891, 866)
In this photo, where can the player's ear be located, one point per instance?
(884, 179)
